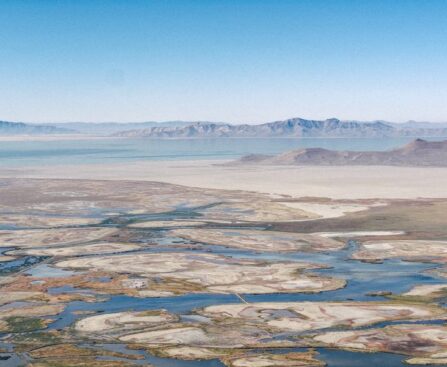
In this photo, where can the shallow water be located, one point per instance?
(362, 278)
(29, 153)
(18, 264)
(178, 304)
(10, 360)
(46, 271)
(340, 358)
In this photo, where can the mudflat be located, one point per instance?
(348, 182)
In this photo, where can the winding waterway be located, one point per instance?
(362, 278)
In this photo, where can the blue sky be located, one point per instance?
(227, 60)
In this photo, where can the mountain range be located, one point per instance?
(19, 128)
(108, 128)
(290, 128)
(417, 153)
(295, 127)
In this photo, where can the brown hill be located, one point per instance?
(417, 153)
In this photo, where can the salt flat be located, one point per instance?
(335, 182)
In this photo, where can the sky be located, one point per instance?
(222, 60)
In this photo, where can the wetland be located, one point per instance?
(132, 273)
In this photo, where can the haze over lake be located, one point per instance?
(116, 150)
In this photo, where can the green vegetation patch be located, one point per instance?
(20, 324)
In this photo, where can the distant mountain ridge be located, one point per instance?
(290, 128)
(108, 128)
(295, 127)
(417, 153)
(16, 128)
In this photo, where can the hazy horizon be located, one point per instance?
(217, 122)
(238, 61)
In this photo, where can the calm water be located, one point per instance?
(15, 153)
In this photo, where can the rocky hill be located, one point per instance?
(417, 153)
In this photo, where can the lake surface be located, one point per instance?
(25, 153)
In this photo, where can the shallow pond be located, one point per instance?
(46, 271)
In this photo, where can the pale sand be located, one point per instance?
(329, 210)
(358, 234)
(4, 258)
(427, 290)
(166, 224)
(334, 182)
(213, 273)
(303, 316)
(76, 250)
(122, 320)
(426, 344)
(294, 359)
(435, 251)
